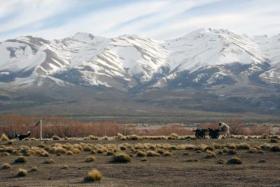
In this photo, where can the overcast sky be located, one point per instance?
(160, 19)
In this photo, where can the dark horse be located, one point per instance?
(200, 133)
(214, 133)
(22, 136)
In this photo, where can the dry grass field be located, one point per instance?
(141, 161)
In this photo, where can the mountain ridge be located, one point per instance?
(217, 62)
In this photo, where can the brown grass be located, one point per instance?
(93, 176)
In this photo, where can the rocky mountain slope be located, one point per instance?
(217, 63)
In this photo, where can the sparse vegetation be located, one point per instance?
(121, 157)
(90, 159)
(93, 176)
(20, 160)
(6, 166)
(4, 138)
(21, 172)
(234, 160)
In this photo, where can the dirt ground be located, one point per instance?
(184, 167)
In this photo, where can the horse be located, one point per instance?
(22, 136)
(214, 133)
(200, 133)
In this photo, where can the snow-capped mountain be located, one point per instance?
(219, 62)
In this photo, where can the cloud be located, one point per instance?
(161, 19)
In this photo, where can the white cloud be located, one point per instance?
(165, 21)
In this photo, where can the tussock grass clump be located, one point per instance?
(253, 150)
(33, 169)
(242, 146)
(220, 161)
(191, 147)
(49, 161)
(55, 137)
(152, 154)
(4, 138)
(92, 137)
(133, 137)
(167, 153)
(275, 148)
(262, 161)
(234, 160)
(231, 152)
(21, 172)
(93, 176)
(141, 154)
(65, 167)
(273, 140)
(4, 154)
(173, 136)
(90, 159)
(231, 146)
(6, 166)
(210, 154)
(266, 147)
(121, 157)
(20, 160)
(192, 160)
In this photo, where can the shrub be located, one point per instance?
(210, 154)
(167, 153)
(21, 172)
(262, 161)
(121, 158)
(65, 167)
(93, 176)
(220, 161)
(234, 160)
(242, 146)
(152, 154)
(20, 160)
(273, 140)
(232, 152)
(33, 169)
(4, 138)
(275, 148)
(90, 159)
(49, 161)
(6, 166)
(141, 154)
(55, 137)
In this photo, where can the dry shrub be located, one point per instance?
(21, 172)
(121, 157)
(65, 167)
(90, 159)
(6, 166)
(48, 161)
(210, 154)
(20, 160)
(243, 146)
(234, 160)
(55, 137)
(275, 148)
(152, 154)
(59, 126)
(167, 153)
(141, 154)
(93, 176)
(220, 161)
(4, 138)
(33, 169)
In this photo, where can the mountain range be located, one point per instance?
(209, 70)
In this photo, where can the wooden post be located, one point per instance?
(41, 129)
